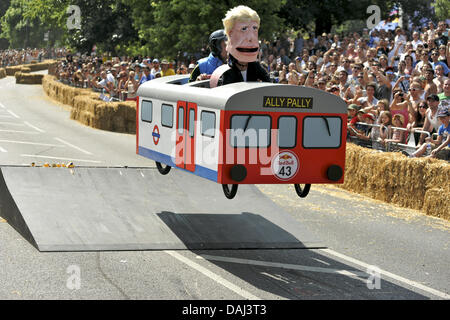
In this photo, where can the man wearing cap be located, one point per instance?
(218, 56)
(156, 68)
(191, 68)
(165, 69)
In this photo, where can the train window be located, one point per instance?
(167, 115)
(208, 123)
(322, 132)
(181, 120)
(250, 131)
(191, 122)
(146, 111)
(287, 132)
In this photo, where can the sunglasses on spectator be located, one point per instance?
(414, 89)
(423, 106)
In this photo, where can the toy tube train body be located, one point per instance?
(243, 133)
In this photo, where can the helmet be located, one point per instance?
(214, 41)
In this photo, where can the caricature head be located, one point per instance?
(241, 26)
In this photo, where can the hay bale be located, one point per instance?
(11, 71)
(436, 203)
(27, 78)
(2, 73)
(25, 70)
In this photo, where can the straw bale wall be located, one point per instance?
(422, 184)
(2, 73)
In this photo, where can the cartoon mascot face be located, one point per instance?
(241, 26)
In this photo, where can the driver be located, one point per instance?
(216, 58)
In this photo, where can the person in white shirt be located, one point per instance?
(416, 40)
(156, 68)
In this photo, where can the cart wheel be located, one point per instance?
(302, 193)
(230, 193)
(163, 170)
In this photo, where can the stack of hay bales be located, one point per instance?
(28, 78)
(11, 71)
(2, 73)
(88, 109)
(421, 184)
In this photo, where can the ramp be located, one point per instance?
(91, 209)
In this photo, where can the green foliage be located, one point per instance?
(170, 28)
(442, 9)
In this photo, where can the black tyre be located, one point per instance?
(163, 170)
(230, 193)
(302, 192)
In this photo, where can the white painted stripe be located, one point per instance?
(18, 131)
(2, 106)
(285, 266)
(32, 143)
(243, 293)
(3, 150)
(33, 127)
(59, 158)
(73, 146)
(9, 117)
(389, 274)
(13, 114)
(12, 124)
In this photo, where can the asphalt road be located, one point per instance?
(373, 250)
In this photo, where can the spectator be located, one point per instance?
(445, 95)
(431, 123)
(131, 85)
(165, 70)
(418, 121)
(156, 68)
(439, 78)
(435, 62)
(147, 76)
(440, 146)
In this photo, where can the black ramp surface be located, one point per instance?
(83, 209)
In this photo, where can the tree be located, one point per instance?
(171, 28)
(4, 4)
(18, 30)
(442, 9)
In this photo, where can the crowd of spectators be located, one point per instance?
(14, 57)
(117, 78)
(401, 74)
(392, 81)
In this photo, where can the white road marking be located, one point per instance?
(32, 143)
(33, 127)
(279, 278)
(12, 124)
(389, 274)
(9, 117)
(243, 293)
(13, 114)
(18, 131)
(2, 106)
(3, 150)
(318, 260)
(285, 266)
(73, 146)
(59, 158)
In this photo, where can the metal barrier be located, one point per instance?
(408, 144)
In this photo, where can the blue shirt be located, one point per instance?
(444, 132)
(446, 69)
(209, 64)
(145, 78)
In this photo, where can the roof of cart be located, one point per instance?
(250, 96)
